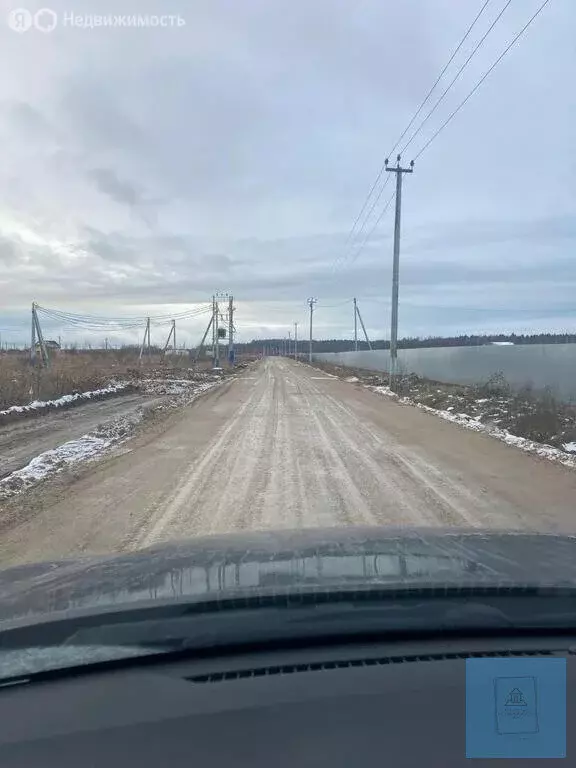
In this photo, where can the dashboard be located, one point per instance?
(382, 704)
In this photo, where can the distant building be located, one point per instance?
(502, 343)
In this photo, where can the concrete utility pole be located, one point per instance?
(146, 338)
(295, 341)
(311, 303)
(33, 337)
(231, 330)
(359, 316)
(171, 335)
(199, 350)
(216, 345)
(399, 171)
(355, 327)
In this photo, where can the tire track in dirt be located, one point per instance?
(278, 447)
(182, 509)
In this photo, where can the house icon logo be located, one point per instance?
(515, 699)
(515, 705)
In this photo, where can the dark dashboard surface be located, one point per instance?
(383, 704)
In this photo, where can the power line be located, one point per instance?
(405, 131)
(459, 107)
(454, 308)
(484, 76)
(455, 78)
(374, 204)
(93, 322)
(331, 306)
(369, 235)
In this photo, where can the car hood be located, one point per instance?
(215, 567)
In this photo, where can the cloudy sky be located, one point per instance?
(142, 169)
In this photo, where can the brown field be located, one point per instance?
(70, 371)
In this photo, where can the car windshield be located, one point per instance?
(286, 308)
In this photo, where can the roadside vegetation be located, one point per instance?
(536, 415)
(70, 372)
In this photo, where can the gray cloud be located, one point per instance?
(121, 191)
(153, 166)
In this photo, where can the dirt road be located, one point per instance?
(283, 446)
(25, 438)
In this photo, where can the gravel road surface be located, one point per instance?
(25, 438)
(284, 445)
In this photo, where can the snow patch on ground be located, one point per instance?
(352, 379)
(186, 394)
(474, 423)
(37, 405)
(92, 445)
(176, 386)
(89, 446)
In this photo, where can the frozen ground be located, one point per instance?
(286, 446)
(45, 437)
(64, 401)
(476, 424)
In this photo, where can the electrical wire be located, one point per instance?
(369, 235)
(455, 78)
(459, 107)
(484, 76)
(450, 308)
(94, 322)
(351, 234)
(374, 204)
(331, 306)
(96, 318)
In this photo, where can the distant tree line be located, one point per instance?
(276, 346)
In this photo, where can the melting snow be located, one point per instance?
(464, 420)
(89, 446)
(64, 400)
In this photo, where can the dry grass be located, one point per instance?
(534, 414)
(69, 372)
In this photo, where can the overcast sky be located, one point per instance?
(146, 168)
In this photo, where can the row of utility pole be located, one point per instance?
(219, 332)
(290, 349)
(221, 324)
(39, 348)
(399, 171)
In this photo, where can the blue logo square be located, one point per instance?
(516, 707)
